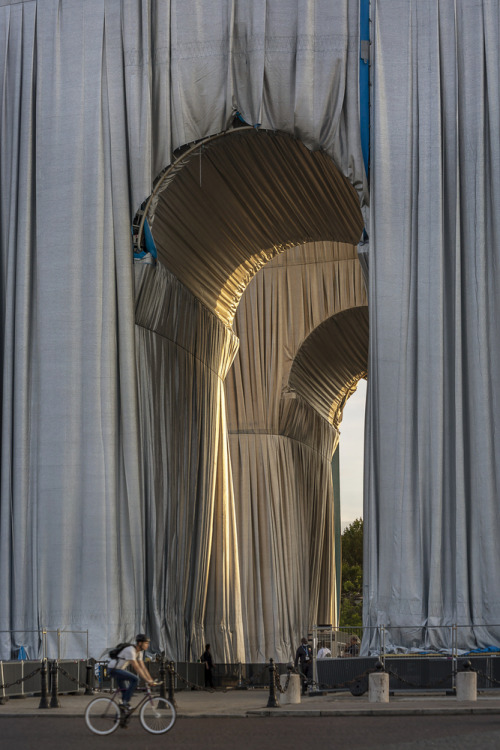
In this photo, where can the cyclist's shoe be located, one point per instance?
(124, 714)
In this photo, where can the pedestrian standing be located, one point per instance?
(304, 658)
(209, 666)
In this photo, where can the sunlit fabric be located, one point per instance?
(304, 313)
(183, 354)
(112, 401)
(433, 459)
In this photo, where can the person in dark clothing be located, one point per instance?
(304, 657)
(209, 666)
(353, 648)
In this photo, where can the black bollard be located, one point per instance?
(273, 701)
(171, 685)
(44, 703)
(163, 677)
(89, 679)
(54, 685)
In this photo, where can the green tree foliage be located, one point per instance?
(351, 601)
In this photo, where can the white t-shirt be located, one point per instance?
(324, 652)
(126, 655)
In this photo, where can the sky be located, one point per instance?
(351, 456)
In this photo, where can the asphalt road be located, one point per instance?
(320, 733)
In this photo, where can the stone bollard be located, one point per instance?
(378, 686)
(466, 684)
(292, 694)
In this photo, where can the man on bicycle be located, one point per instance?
(127, 681)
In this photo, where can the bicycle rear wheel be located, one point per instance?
(157, 715)
(102, 716)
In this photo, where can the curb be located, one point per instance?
(378, 712)
(277, 713)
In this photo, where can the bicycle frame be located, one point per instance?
(156, 714)
(127, 714)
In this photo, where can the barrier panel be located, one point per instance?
(23, 678)
(29, 645)
(189, 675)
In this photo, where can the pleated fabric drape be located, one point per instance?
(432, 459)
(282, 436)
(183, 354)
(71, 528)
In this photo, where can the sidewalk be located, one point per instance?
(253, 703)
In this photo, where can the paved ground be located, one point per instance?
(253, 703)
(424, 732)
(225, 720)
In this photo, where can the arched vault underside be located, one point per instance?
(239, 200)
(226, 211)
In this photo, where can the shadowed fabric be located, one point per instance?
(433, 446)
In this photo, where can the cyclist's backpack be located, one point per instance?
(113, 652)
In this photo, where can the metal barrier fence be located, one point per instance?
(415, 657)
(22, 678)
(431, 640)
(45, 643)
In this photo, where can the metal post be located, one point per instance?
(54, 685)
(89, 677)
(58, 645)
(382, 644)
(163, 677)
(4, 698)
(273, 701)
(44, 686)
(454, 653)
(87, 644)
(171, 686)
(315, 654)
(44, 643)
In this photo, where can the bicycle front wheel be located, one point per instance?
(157, 715)
(102, 716)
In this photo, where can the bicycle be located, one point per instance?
(104, 715)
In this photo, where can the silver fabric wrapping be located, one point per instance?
(432, 459)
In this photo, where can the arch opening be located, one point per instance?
(238, 459)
